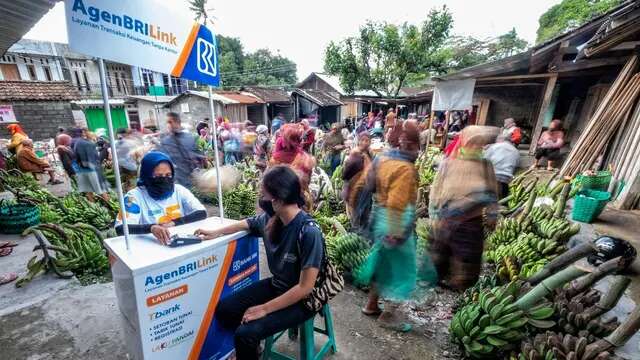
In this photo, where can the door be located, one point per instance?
(96, 119)
(134, 120)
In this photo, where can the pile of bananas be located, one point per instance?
(347, 251)
(507, 230)
(79, 209)
(240, 202)
(50, 214)
(540, 213)
(336, 178)
(471, 294)
(527, 270)
(559, 230)
(495, 322)
(66, 250)
(555, 346)
(14, 179)
(528, 247)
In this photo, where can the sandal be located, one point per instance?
(7, 278)
(6, 251)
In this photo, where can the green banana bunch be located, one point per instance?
(556, 229)
(240, 202)
(80, 210)
(556, 346)
(527, 248)
(50, 214)
(507, 231)
(422, 231)
(529, 269)
(495, 322)
(347, 251)
(540, 213)
(471, 294)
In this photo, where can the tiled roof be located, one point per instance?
(319, 97)
(269, 95)
(225, 97)
(37, 90)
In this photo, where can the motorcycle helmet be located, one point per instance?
(607, 248)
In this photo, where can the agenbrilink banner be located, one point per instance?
(157, 35)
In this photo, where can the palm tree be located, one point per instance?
(199, 8)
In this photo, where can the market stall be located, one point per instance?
(168, 296)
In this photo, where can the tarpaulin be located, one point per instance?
(453, 95)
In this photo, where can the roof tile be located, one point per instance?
(37, 90)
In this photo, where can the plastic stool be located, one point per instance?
(307, 341)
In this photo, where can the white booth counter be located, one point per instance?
(168, 296)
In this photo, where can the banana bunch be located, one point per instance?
(80, 210)
(529, 269)
(495, 322)
(574, 319)
(555, 346)
(66, 250)
(518, 194)
(347, 251)
(471, 294)
(556, 229)
(540, 213)
(240, 202)
(527, 248)
(507, 231)
(50, 214)
(508, 269)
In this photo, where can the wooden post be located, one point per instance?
(546, 101)
(265, 114)
(443, 142)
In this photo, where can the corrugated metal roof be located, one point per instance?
(269, 95)
(17, 17)
(319, 97)
(152, 98)
(224, 97)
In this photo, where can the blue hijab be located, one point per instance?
(149, 163)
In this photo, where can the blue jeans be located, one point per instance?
(334, 162)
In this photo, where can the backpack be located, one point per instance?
(329, 281)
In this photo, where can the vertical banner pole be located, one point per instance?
(215, 150)
(114, 155)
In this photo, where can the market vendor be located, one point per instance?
(157, 203)
(294, 246)
(17, 137)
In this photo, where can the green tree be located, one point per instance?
(506, 45)
(570, 14)
(383, 57)
(265, 68)
(200, 10)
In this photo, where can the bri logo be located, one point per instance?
(206, 57)
(160, 314)
(97, 15)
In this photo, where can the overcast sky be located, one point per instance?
(300, 30)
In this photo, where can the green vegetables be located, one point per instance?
(347, 251)
(79, 209)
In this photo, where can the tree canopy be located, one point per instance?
(383, 57)
(570, 14)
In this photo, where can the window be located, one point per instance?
(118, 85)
(10, 71)
(77, 79)
(31, 69)
(47, 73)
(86, 80)
(147, 78)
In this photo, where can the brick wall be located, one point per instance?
(41, 119)
(518, 102)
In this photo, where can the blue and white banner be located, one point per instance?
(158, 35)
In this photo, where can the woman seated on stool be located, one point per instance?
(157, 204)
(295, 250)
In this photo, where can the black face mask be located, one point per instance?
(267, 207)
(160, 187)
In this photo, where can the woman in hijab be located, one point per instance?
(17, 137)
(354, 175)
(66, 155)
(464, 192)
(289, 152)
(262, 147)
(391, 266)
(158, 203)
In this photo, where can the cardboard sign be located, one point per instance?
(154, 34)
(7, 115)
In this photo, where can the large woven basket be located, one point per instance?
(600, 181)
(15, 218)
(589, 204)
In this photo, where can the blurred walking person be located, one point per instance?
(505, 158)
(181, 147)
(333, 146)
(262, 147)
(464, 190)
(66, 155)
(354, 175)
(512, 132)
(391, 266)
(88, 166)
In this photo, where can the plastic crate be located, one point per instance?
(600, 181)
(588, 205)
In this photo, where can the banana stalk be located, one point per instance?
(610, 299)
(618, 338)
(547, 286)
(562, 261)
(604, 269)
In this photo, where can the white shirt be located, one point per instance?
(504, 157)
(141, 209)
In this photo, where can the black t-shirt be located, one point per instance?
(290, 253)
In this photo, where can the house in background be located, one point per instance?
(276, 101)
(148, 82)
(31, 60)
(321, 107)
(147, 111)
(94, 116)
(193, 107)
(39, 106)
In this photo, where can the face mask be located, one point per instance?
(267, 207)
(160, 188)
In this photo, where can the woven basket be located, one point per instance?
(14, 219)
(589, 204)
(600, 181)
